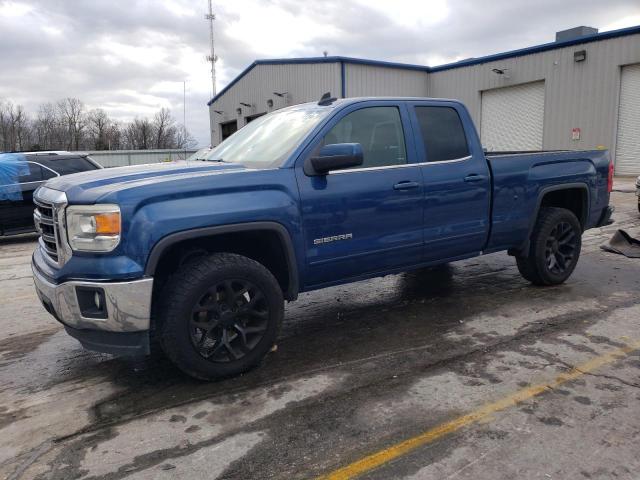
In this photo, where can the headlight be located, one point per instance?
(93, 228)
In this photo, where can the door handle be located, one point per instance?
(405, 185)
(474, 177)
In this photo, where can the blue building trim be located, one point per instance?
(539, 48)
(404, 66)
(312, 60)
(343, 80)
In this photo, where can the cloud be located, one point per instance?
(131, 56)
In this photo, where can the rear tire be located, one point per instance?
(555, 247)
(220, 315)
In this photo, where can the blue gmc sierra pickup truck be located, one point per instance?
(202, 255)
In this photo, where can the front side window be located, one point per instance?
(378, 130)
(442, 133)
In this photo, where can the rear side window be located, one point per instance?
(66, 166)
(442, 133)
(378, 130)
(32, 174)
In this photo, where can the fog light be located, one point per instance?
(92, 302)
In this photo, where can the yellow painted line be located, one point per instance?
(377, 459)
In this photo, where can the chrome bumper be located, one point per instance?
(128, 304)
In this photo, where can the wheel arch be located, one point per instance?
(553, 191)
(169, 243)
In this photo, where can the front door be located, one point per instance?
(368, 219)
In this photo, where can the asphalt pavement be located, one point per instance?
(461, 371)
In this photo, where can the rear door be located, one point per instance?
(457, 183)
(368, 219)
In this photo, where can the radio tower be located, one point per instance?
(212, 58)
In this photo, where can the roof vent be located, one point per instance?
(575, 33)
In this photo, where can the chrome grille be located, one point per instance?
(48, 218)
(45, 220)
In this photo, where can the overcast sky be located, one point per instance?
(130, 57)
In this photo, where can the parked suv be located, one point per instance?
(22, 173)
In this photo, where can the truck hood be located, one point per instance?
(90, 187)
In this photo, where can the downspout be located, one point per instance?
(343, 80)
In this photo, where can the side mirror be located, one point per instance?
(337, 156)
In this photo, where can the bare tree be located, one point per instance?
(73, 114)
(98, 124)
(113, 136)
(20, 128)
(163, 128)
(4, 127)
(66, 125)
(139, 134)
(183, 139)
(15, 132)
(47, 128)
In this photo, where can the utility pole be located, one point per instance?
(184, 116)
(210, 17)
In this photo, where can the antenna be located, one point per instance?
(326, 99)
(210, 17)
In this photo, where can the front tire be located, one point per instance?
(220, 315)
(555, 247)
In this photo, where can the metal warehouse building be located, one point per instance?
(580, 92)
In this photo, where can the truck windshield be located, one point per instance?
(267, 141)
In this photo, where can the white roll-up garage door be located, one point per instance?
(513, 117)
(628, 143)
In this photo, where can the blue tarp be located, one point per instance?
(12, 167)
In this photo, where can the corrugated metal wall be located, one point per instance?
(373, 81)
(302, 82)
(580, 95)
(121, 158)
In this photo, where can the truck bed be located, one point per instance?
(521, 180)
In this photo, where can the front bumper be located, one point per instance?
(124, 330)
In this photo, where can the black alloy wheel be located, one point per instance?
(554, 247)
(229, 320)
(219, 315)
(560, 249)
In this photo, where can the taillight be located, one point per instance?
(610, 178)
